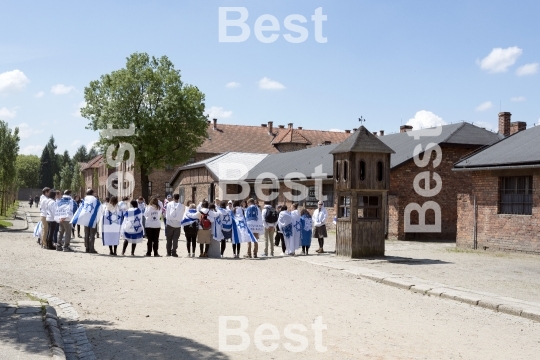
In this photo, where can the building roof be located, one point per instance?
(362, 141)
(228, 166)
(462, 134)
(256, 139)
(93, 163)
(301, 161)
(521, 148)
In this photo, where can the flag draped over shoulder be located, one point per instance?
(254, 219)
(111, 225)
(217, 234)
(297, 229)
(37, 230)
(132, 227)
(88, 212)
(190, 217)
(240, 230)
(226, 218)
(285, 222)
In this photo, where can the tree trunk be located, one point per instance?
(144, 184)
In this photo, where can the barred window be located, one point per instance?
(515, 195)
(344, 206)
(328, 191)
(369, 207)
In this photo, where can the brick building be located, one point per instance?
(501, 210)
(95, 175)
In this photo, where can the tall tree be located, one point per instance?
(46, 175)
(149, 94)
(81, 155)
(28, 171)
(66, 176)
(76, 183)
(66, 160)
(9, 148)
(56, 181)
(92, 153)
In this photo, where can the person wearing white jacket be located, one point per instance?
(153, 226)
(174, 215)
(319, 222)
(50, 208)
(43, 212)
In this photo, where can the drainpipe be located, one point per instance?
(475, 237)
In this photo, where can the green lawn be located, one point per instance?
(10, 213)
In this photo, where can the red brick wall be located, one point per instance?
(402, 193)
(497, 231)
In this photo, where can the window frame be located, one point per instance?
(367, 206)
(509, 192)
(362, 169)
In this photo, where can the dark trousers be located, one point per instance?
(280, 238)
(191, 240)
(52, 230)
(153, 240)
(89, 238)
(172, 234)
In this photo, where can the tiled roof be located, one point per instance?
(256, 139)
(362, 141)
(521, 148)
(94, 163)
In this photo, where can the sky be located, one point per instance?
(391, 62)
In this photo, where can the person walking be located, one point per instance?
(153, 226)
(43, 200)
(190, 222)
(319, 221)
(132, 229)
(65, 208)
(79, 202)
(255, 224)
(164, 212)
(270, 218)
(111, 225)
(307, 231)
(174, 214)
(31, 201)
(88, 216)
(36, 201)
(50, 208)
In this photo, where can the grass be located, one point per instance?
(477, 252)
(9, 215)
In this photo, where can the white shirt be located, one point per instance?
(51, 209)
(175, 213)
(43, 205)
(152, 216)
(319, 217)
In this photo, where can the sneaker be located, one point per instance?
(68, 249)
(222, 256)
(59, 248)
(157, 255)
(148, 254)
(174, 255)
(282, 254)
(264, 255)
(247, 256)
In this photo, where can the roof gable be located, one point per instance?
(362, 141)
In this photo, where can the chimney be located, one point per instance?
(517, 126)
(282, 126)
(215, 124)
(348, 131)
(381, 133)
(375, 133)
(354, 130)
(290, 125)
(504, 123)
(263, 125)
(405, 128)
(271, 128)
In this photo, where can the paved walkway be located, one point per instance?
(22, 333)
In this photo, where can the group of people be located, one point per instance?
(237, 222)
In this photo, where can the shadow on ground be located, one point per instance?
(113, 343)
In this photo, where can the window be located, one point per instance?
(515, 195)
(328, 191)
(344, 209)
(168, 189)
(369, 207)
(379, 171)
(337, 170)
(362, 170)
(345, 170)
(182, 195)
(149, 188)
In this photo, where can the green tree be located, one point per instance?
(9, 148)
(28, 171)
(66, 160)
(92, 153)
(46, 175)
(81, 155)
(56, 182)
(148, 93)
(95, 180)
(76, 180)
(66, 176)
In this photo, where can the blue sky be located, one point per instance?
(392, 62)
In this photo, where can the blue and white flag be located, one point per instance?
(65, 208)
(285, 222)
(217, 234)
(190, 217)
(254, 219)
(132, 227)
(37, 230)
(297, 229)
(88, 212)
(307, 230)
(240, 229)
(111, 225)
(226, 219)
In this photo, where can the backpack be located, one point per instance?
(205, 223)
(271, 216)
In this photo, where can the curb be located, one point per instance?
(25, 218)
(52, 325)
(496, 303)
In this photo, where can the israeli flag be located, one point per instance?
(226, 219)
(88, 212)
(190, 217)
(111, 225)
(132, 227)
(254, 219)
(240, 229)
(37, 230)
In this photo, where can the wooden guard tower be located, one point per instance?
(361, 184)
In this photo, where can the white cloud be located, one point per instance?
(499, 59)
(32, 150)
(233, 85)
(61, 89)
(484, 106)
(527, 69)
(518, 99)
(268, 84)
(77, 112)
(25, 131)
(425, 119)
(6, 113)
(12, 81)
(39, 94)
(216, 112)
